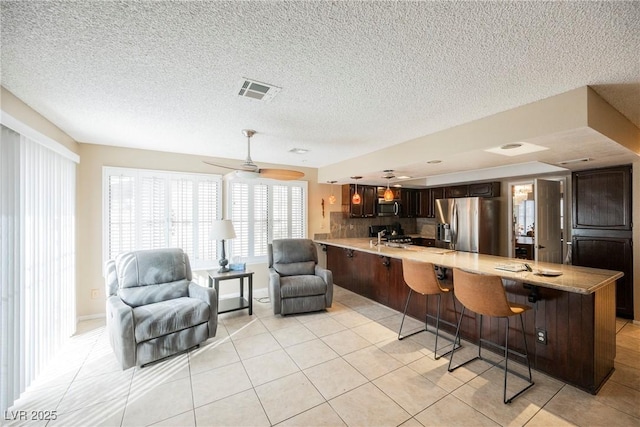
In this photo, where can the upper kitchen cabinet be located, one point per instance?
(410, 202)
(602, 199)
(427, 201)
(485, 189)
(368, 200)
(482, 189)
(455, 191)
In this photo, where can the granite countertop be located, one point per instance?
(580, 280)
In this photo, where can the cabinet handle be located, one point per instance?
(385, 261)
(349, 253)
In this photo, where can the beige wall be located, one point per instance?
(19, 110)
(89, 205)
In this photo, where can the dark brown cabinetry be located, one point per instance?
(426, 201)
(481, 189)
(410, 202)
(485, 189)
(602, 228)
(368, 201)
(456, 191)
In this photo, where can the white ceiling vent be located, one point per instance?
(257, 90)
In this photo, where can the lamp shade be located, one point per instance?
(222, 229)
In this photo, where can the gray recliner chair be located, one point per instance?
(296, 283)
(154, 310)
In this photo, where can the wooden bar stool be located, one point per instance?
(421, 278)
(485, 295)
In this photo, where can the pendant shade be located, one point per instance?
(356, 199)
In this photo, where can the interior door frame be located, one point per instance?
(566, 210)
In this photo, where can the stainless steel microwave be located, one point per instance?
(391, 208)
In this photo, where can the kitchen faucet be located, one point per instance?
(380, 234)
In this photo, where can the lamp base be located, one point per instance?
(223, 266)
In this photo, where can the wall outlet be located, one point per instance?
(94, 294)
(541, 336)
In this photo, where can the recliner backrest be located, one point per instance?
(293, 257)
(149, 276)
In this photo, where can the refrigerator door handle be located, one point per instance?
(454, 226)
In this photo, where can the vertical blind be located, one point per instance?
(147, 209)
(37, 259)
(264, 210)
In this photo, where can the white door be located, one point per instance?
(547, 231)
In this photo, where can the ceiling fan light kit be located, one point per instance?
(249, 170)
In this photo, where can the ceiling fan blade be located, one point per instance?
(280, 174)
(218, 165)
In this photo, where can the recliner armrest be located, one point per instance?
(121, 331)
(274, 290)
(327, 276)
(210, 297)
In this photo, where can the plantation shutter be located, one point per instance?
(121, 214)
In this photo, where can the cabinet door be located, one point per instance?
(456, 191)
(609, 253)
(369, 201)
(409, 203)
(423, 203)
(484, 189)
(602, 199)
(436, 193)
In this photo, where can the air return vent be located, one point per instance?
(257, 90)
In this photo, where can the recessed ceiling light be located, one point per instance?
(403, 177)
(299, 150)
(566, 162)
(516, 149)
(510, 146)
(397, 185)
(434, 162)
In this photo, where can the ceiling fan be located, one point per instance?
(248, 169)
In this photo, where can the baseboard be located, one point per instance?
(90, 317)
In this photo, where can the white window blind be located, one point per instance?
(37, 259)
(147, 209)
(263, 210)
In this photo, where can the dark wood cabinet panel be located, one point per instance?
(485, 189)
(368, 201)
(602, 198)
(609, 253)
(410, 204)
(456, 191)
(436, 193)
(602, 227)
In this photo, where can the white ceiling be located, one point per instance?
(356, 77)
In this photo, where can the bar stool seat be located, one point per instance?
(485, 295)
(421, 278)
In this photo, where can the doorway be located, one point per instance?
(537, 214)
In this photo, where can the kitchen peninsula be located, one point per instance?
(570, 331)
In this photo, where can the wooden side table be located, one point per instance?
(226, 305)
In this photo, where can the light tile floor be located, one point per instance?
(335, 368)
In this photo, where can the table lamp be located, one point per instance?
(222, 229)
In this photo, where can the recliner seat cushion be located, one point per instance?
(302, 286)
(165, 317)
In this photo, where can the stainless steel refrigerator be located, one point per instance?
(469, 224)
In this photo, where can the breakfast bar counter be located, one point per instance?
(570, 331)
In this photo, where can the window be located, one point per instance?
(263, 210)
(147, 209)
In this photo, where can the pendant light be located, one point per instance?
(356, 199)
(332, 198)
(388, 193)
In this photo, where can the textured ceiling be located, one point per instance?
(355, 76)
